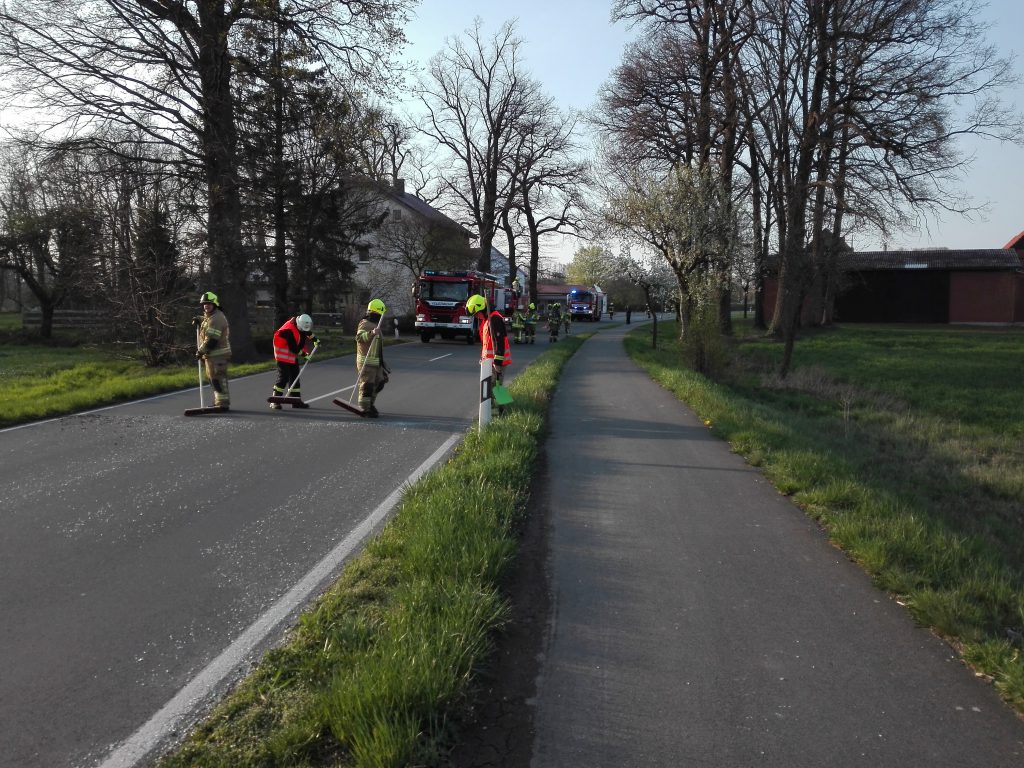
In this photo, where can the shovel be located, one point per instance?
(501, 395)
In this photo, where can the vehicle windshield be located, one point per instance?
(430, 289)
(581, 296)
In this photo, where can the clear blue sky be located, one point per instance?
(571, 48)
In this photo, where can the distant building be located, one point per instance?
(383, 257)
(971, 286)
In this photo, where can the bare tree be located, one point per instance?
(164, 69)
(474, 95)
(417, 245)
(547, 176)
(857, 103)
(676, 100)
(49, 231)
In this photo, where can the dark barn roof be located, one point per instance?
(932, 259)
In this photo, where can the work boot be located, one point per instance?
(275, 406)
(372, 412)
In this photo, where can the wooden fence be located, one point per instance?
(68, 319)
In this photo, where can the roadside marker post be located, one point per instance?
(486, 393)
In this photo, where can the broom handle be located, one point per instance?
(296, 382)
(199, 365)
(359, 375)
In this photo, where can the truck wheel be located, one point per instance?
(425, 336)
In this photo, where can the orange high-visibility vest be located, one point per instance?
(487, 348)
(282, 348)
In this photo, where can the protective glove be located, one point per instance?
(196, 321)
(201, 352)
(316, 342)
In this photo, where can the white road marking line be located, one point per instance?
(94, 410)
(168, 394)
(129, 752)
(330, 394)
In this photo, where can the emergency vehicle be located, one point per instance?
(585, 303)
(441, 302)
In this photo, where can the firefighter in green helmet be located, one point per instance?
(373, 372)
(214, 350)
(493, 336)
(530, 322)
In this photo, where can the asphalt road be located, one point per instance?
(699, 618)
(138, 544)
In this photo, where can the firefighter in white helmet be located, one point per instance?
(291, 345)
(215, 347)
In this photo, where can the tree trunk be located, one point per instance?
(228, 265)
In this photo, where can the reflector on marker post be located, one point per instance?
(486, 382)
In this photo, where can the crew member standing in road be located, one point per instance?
(518, 325)
(494, 338)
(554, 320)
(531, 323)
(290, 345)
(215, 348)
(373, 373)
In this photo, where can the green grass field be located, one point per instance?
(54, 379)
(905, 444)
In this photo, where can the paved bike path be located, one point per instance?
(699, 618)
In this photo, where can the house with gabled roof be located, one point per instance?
(934, 285)
(383, 271)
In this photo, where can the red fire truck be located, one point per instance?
(441, 302)
(585, 303)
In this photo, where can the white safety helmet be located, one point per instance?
(305, 323)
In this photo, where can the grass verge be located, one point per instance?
(43, 380)
(373, 671)
(905, 446)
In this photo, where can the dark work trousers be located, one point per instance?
(286, 374)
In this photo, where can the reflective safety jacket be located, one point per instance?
(517, 320)
(368, 346)
(215, 335)
(495, 337)
(289, 341)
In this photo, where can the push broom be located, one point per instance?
(203, 407)
(286, 398)
(348, 406)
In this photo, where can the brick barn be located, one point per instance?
(984, 286)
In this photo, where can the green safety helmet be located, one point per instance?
(476, 303)
(376, 306)
(209, 297)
